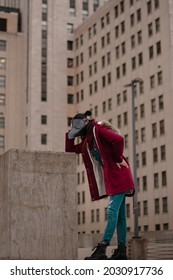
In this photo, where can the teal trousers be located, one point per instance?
(116, 219)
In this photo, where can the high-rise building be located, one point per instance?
(62, 57)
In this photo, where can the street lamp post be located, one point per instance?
(132, 85)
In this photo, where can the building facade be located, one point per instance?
(62, 57)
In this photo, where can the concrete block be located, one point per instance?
(38, 205)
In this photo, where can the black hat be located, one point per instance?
(78, 124)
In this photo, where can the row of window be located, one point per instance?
(164, 226)
(95, 213)
(143, 156)
(156, 202)
(85, 7)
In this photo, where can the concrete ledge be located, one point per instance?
(38, 205)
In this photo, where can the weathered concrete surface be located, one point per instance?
(38, 205)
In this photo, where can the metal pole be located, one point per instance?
(136, 232)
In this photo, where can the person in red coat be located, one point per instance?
(108, 173)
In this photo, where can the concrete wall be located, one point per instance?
(37, 205)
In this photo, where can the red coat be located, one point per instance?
(109, 179)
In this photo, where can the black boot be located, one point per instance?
(119, 254)
(99, 252)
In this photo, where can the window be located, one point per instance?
(157, 227)
(69, 80)
(70, 62)
(83, 197)
(95, 4)
(153, 105)
(151, 52)
(139, 37)
(124, 69)
(140, 58)
(123, 48)
(156, 204)
(144, 159)
(122, 27)
(128, 210)
(44, 139)
(95, 48)
(118, 99)
(2, 99)
(164, 178)
(70, 98)
(118, 72)
(155, 155)
(43, 119)
(2, 63)
(109, 78)
(149, 7)
(108, 38)
(89, 33)
(152, 81)
(117, 52)
(154, 130)
(132, 41)
(70, 45)
(162, 127)
(92, 216)
(156, 180)
(165, 226)
(158, 48)
(108, 58)
(104, 107)
(163, 152)
(159, 78)
(156, 4)
(122, 6)
(83, 217)
(161, 103)
(2, 141)
(78, 218)
(132, 20)
(2, 45)
(90, 51)
(3, 24)
(124, 96)
(2, 81)
(72, 6)
(94, 29)
(116, 11)
(142, 111)
(144, 183)
(95, 86)
(102, 23)
(125, 117)
(143, 134)
(119, 121)
(81, 58)
(108, 18)
(103, 81)
(150, 29)
(69, 28)
(103, 42)
(133, 63)
(157, 25)
(103, 61)
(165, 204)
(139, 16)
(97, 215)
(116, 31)
(145, 207)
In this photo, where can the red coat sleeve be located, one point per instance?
(115, 140)
(71, 147)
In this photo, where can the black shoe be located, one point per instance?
(119, 254)
(99, 253)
